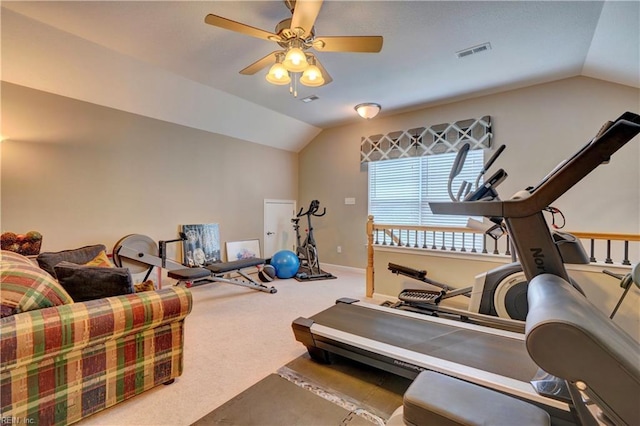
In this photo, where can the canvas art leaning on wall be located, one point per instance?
(202, 246)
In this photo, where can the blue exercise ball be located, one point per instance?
(286, 263)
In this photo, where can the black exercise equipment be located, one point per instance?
(501, 291)
(626, 280)
(140, 253)
(438, 399)
(307, 251)
(593, 361)
(220, 273)
(503, 278)
(467, 191)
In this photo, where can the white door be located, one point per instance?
(278, 229)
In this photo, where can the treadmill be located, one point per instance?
(407, 343)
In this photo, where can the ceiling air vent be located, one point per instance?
(473, 50)
(309, 99)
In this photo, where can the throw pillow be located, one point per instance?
(145, 286)
(101, 260)
(13, 257)
(93, 282)
(26, 287)
(49, 260)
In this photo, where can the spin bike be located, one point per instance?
(307, 251)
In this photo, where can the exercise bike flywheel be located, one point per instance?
(142, 244)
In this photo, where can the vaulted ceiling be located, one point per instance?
(161, 60)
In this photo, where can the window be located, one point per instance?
(400, 189)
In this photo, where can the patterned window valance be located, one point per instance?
(421, 141)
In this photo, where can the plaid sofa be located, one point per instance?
(62, 363)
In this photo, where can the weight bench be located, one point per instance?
(216, 272)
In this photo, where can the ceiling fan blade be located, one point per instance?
(370, 44)
(325, 74)
(228, 24)
(305, 13)
(261, 63)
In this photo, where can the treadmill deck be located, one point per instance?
(495, 353)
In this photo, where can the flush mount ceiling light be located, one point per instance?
(368, 110)
(296, 36)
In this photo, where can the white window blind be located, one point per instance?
(400, 190)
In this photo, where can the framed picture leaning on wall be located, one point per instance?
(247, 249)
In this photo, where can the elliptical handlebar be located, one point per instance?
(456, 168)
(489, 163)
(467, 191)
(523, 213)
(556, 183)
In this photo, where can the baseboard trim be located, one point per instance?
(384, 297)
(345, 268)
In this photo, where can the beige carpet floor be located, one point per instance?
(234, 338)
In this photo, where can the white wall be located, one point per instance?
(85, 174)
(541, 125)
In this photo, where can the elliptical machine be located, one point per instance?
(465, 382)
(307, 251)
(501, 291)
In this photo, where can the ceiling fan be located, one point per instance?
(296, 36)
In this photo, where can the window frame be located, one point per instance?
(425, 187)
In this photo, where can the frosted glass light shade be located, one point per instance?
(368, 110)
(296, 60)
(278, 75)
(312, 77)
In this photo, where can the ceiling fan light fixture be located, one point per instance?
(295, 60)
(368, 110)
(278, 75)
(312, 77)
(295, 36)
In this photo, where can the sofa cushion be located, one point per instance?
(101, 260)
(26, 287)
(7, 256)
(82, 255)
(144, 286)
(93, 282)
